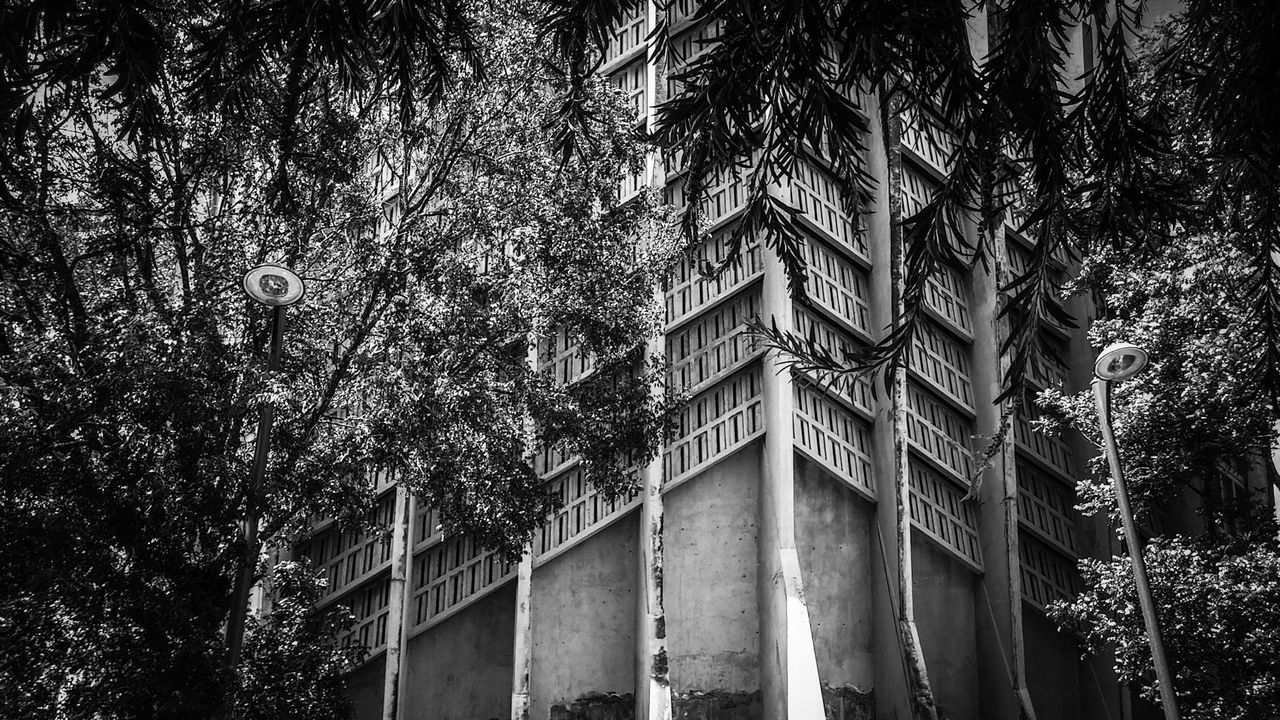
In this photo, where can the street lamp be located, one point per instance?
(277, 287)
(1116, 363)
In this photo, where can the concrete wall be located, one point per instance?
(461, 668)
(833, 537)
(583, 614)
(710, 577)
(944, 596)
(1060, 680)
(364, 689)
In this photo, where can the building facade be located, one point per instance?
(801, 549)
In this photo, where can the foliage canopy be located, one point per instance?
(139, 185)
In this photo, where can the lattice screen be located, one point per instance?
(943, 362)
(1051, 450)
(629, 35)
(716, 423)
(631, 79)
(584, 509)
(853, 390)
(833, 436)
(920, 133)
(1046, 506)
(1046, 574)
(690, 291)
(938, 510)
(348, 557)
(450, 574)
(726, 196)
(817, 194)
(938, 432)
(369, 605)
(714, 344)
(838, 286)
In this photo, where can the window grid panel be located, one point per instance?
(938, 509)
(945, 295)
(716, 423)
(369, 606)
(426, 527)
(559, 353)
(817, 195)
(629, 35)
(1047, 575)
(832, 435)
(837, 285)
(917, 190)
(583, 508)
(552, 460)
(1052, 450)
(690, 291)
(631, 78)
(688, 46)
(346, 558)
(938, 432)
(1020, 260)
(726, 196)
(1047, 506)
(943, 362)
(713, 345)
(452, 574)
(921, 133)
(682, 10)
(1045, 372)
(1010, 192)
(854, 390)
(631, 185)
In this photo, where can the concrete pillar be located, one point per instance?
(397, 604)
(1003, 691)
(788, 668)
(522, 656)
(891, 683)
(653, 684)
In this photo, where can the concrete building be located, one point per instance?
(800, 550)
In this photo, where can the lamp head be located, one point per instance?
(274, 285)
(1119, 361)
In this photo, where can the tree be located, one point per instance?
(1091, 160)
(1184, 426)
(438, 233)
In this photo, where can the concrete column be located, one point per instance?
(397, 603)
(999, 617)
(522, 657)
(891, 683)
(653, 684)
(788, 668)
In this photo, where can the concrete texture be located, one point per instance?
(833, 536)
(944, 594)
(461, 668)
(847, 702)
(597, 706)
(584, 618)
(364, 689)
(717, 705)
(710, 578)
(1060, 678)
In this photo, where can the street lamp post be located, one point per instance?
(1119, 362)
(276, 287)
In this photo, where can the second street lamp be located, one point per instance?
(276, 287)
(1116, 363)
